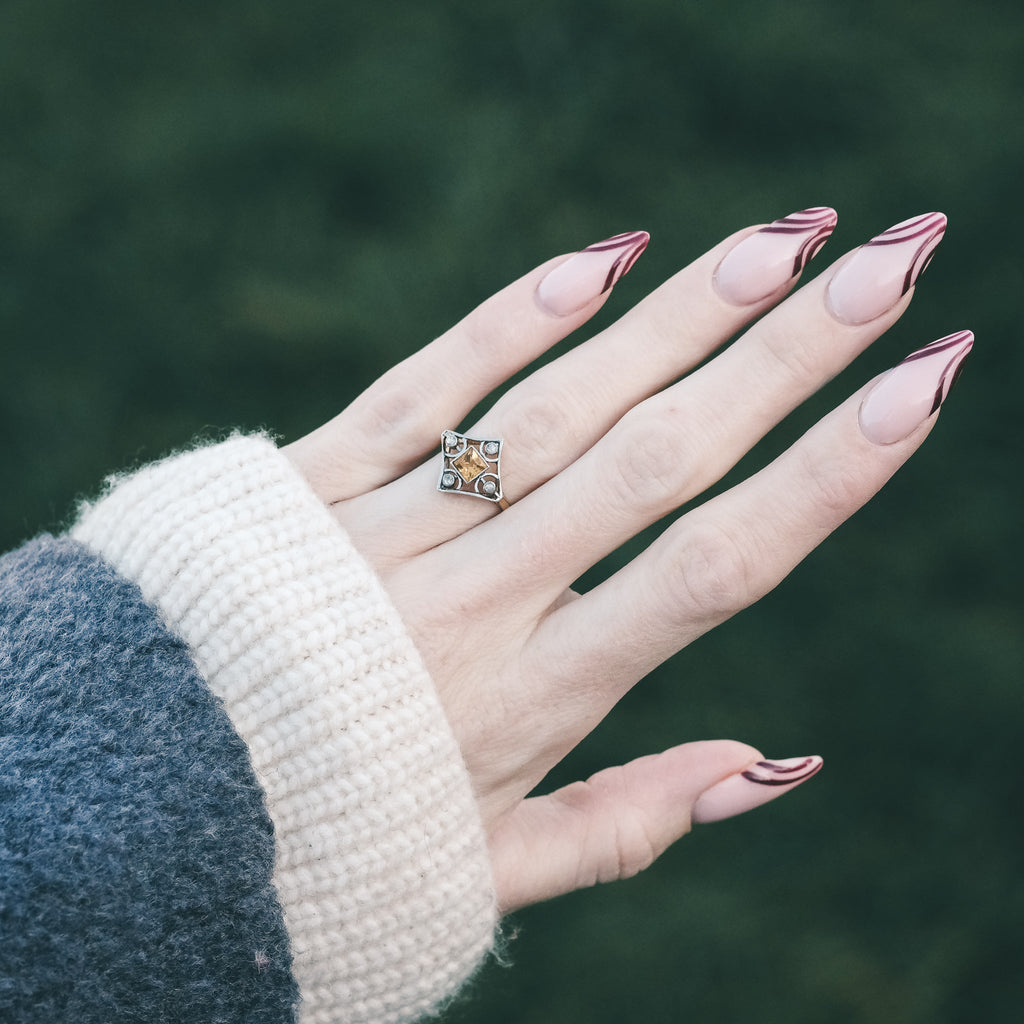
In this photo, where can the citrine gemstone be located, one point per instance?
(470, 464)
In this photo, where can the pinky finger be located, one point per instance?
(620, 820)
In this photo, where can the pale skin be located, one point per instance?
(600, 443)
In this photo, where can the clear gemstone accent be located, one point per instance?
(448, 480)
(491, 448)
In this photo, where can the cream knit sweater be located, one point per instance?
(382, 868)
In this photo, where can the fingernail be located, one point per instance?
(764, 261)
(590, 273)
(758, 784)
(883, 270)
(912, 391)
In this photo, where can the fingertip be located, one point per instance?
(773, 256)
(716, 759)
(912, 392)
(698, 766)
(587, 275)
(884, 270)
(758, 783)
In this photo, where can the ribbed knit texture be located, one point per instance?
(136, 854)
(382, 867)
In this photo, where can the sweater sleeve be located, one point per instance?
(136, 853)
(380, 866)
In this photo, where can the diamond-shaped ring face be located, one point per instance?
(471, 465)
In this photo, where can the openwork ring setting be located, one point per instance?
(472, 465)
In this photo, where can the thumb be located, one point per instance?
(620, 820)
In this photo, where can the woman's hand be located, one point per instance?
(597, 445)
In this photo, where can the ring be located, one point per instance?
(471, 465)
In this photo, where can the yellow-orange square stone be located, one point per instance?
(470, 464)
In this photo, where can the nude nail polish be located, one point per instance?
(764, 261)
(758, 784)
(913, 391)
(590, 273)
(883, 270)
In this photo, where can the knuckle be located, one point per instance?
(837, 487)
(634, 851)
(493, 327)
(711, 574)
(545, 426)
(392, 412)
(647, 472)
(622, 843)
(798, 359)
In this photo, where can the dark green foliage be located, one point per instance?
(226, 213)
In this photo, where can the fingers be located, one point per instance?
(560, 411)
(619, 821)
(670, 448)
(583, 394)
(724, 555)
(392, 425)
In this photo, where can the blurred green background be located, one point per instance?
(239, 213)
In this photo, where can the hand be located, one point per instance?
(597, 445)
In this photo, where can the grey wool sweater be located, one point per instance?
(228, 792)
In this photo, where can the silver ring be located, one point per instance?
(472, 465)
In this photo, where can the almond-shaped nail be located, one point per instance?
(913, 391)
(590, 273)
(764, 261)
(758, 784)
(883, 270)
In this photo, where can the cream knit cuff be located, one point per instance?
(382, 868)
